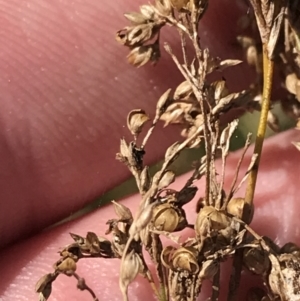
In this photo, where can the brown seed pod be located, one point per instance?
(130, 155)
(78, 239)
(182, 259)
(179, 4)
(93, 243)
(183, 91)
(185, 258)
(136, 120)
(163, 102)
(122, 211)
(142, 219)
(256, 260)
(167, 256)
(163, 7)
(238, 206)
(137, 34)
(185, 195)
(210, 220)
(210, 245)
(73, 250)
(169, 218)
(66, 266)
(167, 178)
(44, 286)
(136, 18)
(145, 179)
(130, 267)
(141, 55)
(105, 247)
(147, 11)
(290, 248)
(220, 89)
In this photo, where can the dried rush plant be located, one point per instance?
(222, 228)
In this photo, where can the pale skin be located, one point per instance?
(65, 91)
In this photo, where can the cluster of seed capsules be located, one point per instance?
(218, 234)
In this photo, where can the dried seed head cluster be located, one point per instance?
(221, 229)
(282, 19)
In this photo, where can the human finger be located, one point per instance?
(65, 91)
(276, 216)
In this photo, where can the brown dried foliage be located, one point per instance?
(222, 226)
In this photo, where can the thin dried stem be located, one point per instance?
(150, 131)
(183, 42)
(235, 276)
(206, 132)
(150, 279)
(247, 144)
(83, 286)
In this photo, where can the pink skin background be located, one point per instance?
(65, 90)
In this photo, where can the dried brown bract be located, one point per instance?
(198, 105)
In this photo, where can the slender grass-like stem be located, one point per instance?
(265, 106)
(268, 66)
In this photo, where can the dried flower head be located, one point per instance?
(201, 107)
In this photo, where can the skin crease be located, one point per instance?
(60, 87)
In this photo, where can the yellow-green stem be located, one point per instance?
(268, 66)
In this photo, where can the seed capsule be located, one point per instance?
(185, 258)
(166, 256)
(44, 286)
(122, 211)
(136, 18)
(185, 195)
(66, 266)
(182, 259)
(237, 207)
(136, 120)
(183, 91)
(256, 261)
(179, 4)
(165, 180)
(290, 248)
(169, 218)
(163, 102)
(73, 251)
(210, 220)
(130, 267)
(145, 179)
